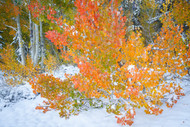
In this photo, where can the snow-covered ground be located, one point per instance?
(22, 113)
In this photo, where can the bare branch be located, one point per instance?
(152, 20)
(11, 27)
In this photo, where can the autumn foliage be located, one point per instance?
(50, 87)
(123, 71)
(15, 72)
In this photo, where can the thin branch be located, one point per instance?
(152, 20)
(156, 48)
(11, 27)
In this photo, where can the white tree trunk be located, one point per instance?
(21, 43)
(36, 45)
(42, 44)
(34, 42)
(32, 48)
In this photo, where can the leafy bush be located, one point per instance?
(60, 95)
(126, 73)
(15, 72)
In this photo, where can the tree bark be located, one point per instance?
(31, 38)
(21, 43)
(36, 45)
(34, 42)
(42, 44)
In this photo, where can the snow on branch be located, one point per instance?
(152, 20)
(11, 27)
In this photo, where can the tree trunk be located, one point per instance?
(31, 38)
(42, 44)
(34, 42)
(21, 43)
(36, 45)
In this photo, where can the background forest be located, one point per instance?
(125, 50)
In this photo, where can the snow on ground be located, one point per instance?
(10, 95)
(23, 114)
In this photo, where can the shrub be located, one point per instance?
(15, 72)
(126, 73)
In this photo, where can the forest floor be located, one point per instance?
(17, 109)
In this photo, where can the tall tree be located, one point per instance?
(42, 44)
(21, 42)
(14, 19)
(21, 51)
(37, 45)
(31, 35)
